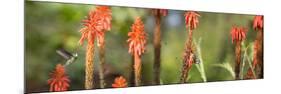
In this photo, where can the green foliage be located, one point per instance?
(227, 67)
(200, 66)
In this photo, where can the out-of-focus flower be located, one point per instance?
(119, 82)
(191, 19)
(258, 22)
(238, 33)
(59, 81)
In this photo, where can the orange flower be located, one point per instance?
(162, 12)
(119, 82)
(258, 22)
(191, 19)
(137, 37)
(96, 24)
(238, 33)
(58, 81)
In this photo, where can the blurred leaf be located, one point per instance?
(227, 67)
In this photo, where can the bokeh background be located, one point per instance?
(51, 26)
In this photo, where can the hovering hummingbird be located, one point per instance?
(70, 57)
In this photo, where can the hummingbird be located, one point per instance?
(70, 57)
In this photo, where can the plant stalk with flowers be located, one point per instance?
(105, 21)
(137, 42)
(95, 25)
(258, 46)
(258, 49)
(238, 34)
(157, 43)
(191, 21)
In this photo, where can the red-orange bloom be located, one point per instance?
(238, 33)
(97, 23)
(258, 22)
(162, 12)
(191, 19)
(137, 37)
(119, 82)
(58, 81)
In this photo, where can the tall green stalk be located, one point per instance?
(200, 65)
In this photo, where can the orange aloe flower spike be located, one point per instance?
(258, 22)
(97, 23)
(137, 37)
(238, 33)
(191, 19)
(59, 80)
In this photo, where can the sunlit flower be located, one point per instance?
(97, 23)
(191, 19)
(137, 37)
(258, 22)
(238, 33)
(119, 82)
(59, 80)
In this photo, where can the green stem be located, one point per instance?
(200, 66)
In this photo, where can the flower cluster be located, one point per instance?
(58, 81)
(119, 82)
(191, 19)
(96, 24)
(238, 33)
(258, 22)
(137, 37)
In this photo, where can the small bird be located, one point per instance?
(67, 55)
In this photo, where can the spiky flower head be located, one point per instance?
(137, 37)
(258, 22)
(238, 33)
(119, 82)
(96, 24)
(191, 19)
(59, 80)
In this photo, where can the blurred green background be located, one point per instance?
(51, 26)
